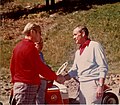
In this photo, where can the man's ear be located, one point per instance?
(32, 31)
(83, 33)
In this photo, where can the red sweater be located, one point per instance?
(26, 64)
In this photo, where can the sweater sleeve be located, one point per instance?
(101, 60)
(40, 67)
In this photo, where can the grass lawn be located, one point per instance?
(101, 20)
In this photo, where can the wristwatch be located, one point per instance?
(100, 84)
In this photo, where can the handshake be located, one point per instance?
(61, 79)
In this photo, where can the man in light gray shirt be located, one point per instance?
(90, 66)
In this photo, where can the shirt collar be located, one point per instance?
(87, 42)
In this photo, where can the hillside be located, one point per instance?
(102, 21)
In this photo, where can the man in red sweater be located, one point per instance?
(26, 66)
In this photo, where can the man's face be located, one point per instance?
(38, 40)
(39, 45)
(36, 35)
(77, 36)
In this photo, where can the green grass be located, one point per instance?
(5, 53)
(102, 22)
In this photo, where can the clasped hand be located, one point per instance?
(60, 79)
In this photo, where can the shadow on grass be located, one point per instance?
(2, 2)
(65, 6)
(74, 5)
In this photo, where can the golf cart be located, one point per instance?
(57, 93)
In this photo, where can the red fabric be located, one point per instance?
(26, 64)
(82, 47)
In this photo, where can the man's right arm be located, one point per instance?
(40, 67)
(73, 71)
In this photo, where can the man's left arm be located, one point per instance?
(102, 67)
(101, 61)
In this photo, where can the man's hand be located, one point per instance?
(60, 79)
(100, 90)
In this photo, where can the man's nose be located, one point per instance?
(74, 37)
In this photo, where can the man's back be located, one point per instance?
(23, 65)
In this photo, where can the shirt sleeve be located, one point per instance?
(101, 61)
(42, 57)
(40, 67)
(73, 71)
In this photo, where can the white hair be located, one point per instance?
(29, 27)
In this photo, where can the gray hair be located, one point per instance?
(83, 28)
(31, 26)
